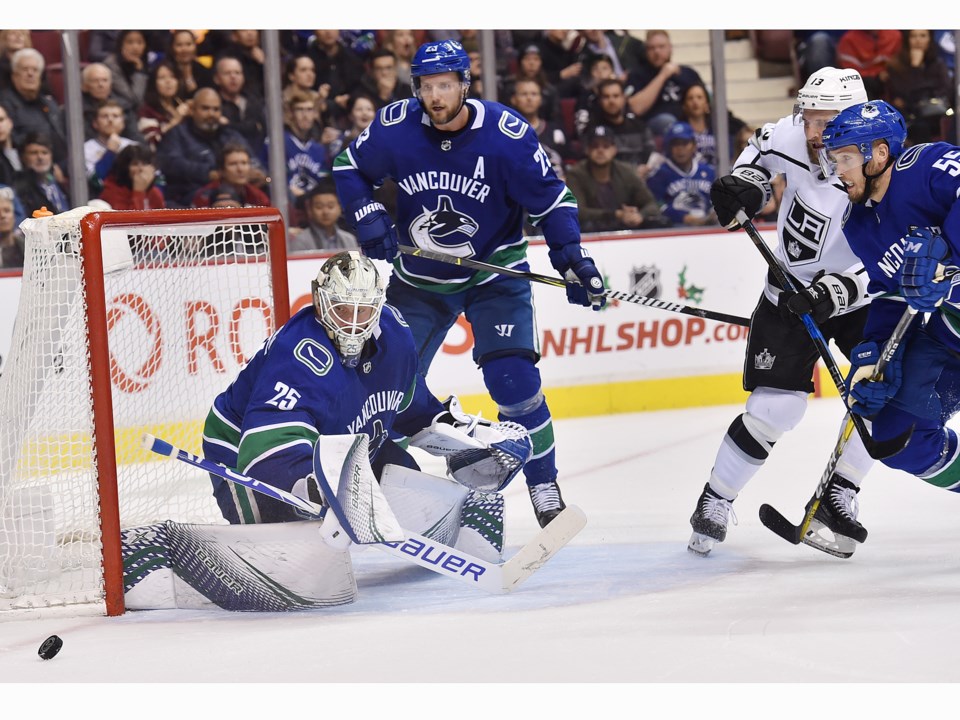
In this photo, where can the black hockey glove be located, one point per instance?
(828, 296)
(747, 188)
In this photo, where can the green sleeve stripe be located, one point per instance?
(565, 199)
(218, 429)
(257, 445)
(408, 396)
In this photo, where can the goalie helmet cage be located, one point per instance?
(128, 322)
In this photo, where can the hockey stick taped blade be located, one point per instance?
(532, 556)
(773, 520)
(155, 444)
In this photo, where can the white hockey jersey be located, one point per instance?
(809, 224)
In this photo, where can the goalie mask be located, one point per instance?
(348, 297)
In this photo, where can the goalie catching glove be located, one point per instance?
(480, 454)
(747, 188)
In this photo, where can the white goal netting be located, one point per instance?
(184, 302)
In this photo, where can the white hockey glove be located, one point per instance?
(480, 454)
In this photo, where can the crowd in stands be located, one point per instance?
(177, 118)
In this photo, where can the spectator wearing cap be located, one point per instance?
(323, 230)
(610, 195)
(225, 196)
(634, 140)
(682, 184)
(36, 185)
(233, 171)
(598, 69)
(30, 110)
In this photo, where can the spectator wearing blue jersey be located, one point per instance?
(306, 158)
(682, 184)
(469, 171)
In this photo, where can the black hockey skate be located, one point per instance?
(834, 528)
(547, 501)
(709, 521)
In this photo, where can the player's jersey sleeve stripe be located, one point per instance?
(260, 443)
(564, 199)
(344, 161)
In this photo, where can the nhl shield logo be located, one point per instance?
(367, 367)
(446, 145)
(645, 281)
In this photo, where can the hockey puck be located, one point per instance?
(50, 647)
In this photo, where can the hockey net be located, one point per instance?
(128, 322)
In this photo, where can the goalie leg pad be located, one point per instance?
(424, 503)
(253, 568)
(481, 526)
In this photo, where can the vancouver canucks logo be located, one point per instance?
(444, 222)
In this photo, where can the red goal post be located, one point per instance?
(127, 322)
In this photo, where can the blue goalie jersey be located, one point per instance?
(296, 388)
(462, 193)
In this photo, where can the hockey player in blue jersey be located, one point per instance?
(344, 365)
(904, 223)
(466, 170)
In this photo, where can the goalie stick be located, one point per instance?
(560, 283)
(877, 450)
(436, 557)
(796, 534)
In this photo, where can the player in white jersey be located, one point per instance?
(780, 355)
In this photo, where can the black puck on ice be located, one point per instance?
(50, 647)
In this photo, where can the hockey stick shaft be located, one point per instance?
(436, 557)
(772, 518)
(560, 283)
(876, 450)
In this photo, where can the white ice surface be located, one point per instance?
(624, 602)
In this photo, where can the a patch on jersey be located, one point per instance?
(764, 360)
(645, 280)
(444, 221)
(394, 113)
(804, 231)
(314, 355)
(512, 126)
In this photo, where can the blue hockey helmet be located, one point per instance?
(440, 57)
(861, 124)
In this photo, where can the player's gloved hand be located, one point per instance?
(867, 397)
(923, 255)
(376, 232)
(747, 188)
(584, 282)
(828, 296)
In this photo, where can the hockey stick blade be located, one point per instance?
(773, 520)
(532, 556)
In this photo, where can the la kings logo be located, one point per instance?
(804, 232)
(764, 360)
